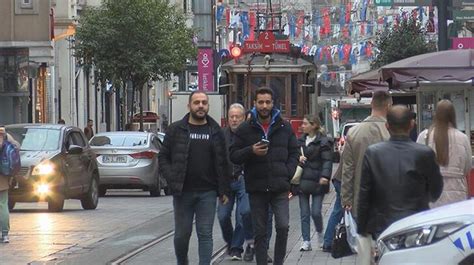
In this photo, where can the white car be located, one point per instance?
(443, 235)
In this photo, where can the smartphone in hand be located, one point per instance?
(264, 142)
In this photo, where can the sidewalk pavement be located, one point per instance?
(294, 255)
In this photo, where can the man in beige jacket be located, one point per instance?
(370, 131)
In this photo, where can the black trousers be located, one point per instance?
(259, 204)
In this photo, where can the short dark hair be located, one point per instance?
(399, 118)
(90, 120)
(196, 92)
(263, 90)
(380, 99)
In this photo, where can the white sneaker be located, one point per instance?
(320, 239)
(5, 239)
(305, 246)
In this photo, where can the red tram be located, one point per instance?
(267, 62)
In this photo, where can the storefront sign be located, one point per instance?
(463, 43)
(463, 3)
(383, 2)
(205, 69)
(463, 15)
(412, 2)
(267, 43)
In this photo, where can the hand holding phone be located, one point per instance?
(261, 147)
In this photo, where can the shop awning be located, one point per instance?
(451, 65)
(366, 83)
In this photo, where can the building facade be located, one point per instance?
(26, 59)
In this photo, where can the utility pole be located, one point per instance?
(442, 6)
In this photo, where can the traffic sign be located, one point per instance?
(412, 2)
(383, 2)
(463, 3)
(463, 15)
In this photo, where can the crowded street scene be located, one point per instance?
(237, 132)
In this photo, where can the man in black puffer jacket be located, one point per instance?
(269, 167)
(193, 160)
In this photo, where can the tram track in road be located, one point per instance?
(123, 259)
(128, 256)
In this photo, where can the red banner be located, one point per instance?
(206, 69)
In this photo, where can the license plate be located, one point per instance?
(114, 159)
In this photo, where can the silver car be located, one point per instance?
(128, 160)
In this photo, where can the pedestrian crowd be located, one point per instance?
(251, 165)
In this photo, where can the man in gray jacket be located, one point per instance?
(370, 131)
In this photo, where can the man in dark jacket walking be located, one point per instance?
(235, 237)
(193, 160)
(267, 147)
(399, 177)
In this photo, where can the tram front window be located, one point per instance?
(278, 86)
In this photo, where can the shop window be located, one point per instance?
(26, 7)
(294, 95)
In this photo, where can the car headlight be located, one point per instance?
(42, 189)
(417, 237)
(44, 168)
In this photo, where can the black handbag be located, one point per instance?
(340, 248)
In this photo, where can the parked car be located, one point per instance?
(161, 136)
(442, 235)
(128, 160)
(339, 144)
(148, 116)
(57, 163)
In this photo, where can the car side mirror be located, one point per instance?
(74, 149)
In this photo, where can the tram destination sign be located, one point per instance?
(266, 43)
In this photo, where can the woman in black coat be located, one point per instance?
(316, 161)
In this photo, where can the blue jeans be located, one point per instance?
(336, 216)
(260, 203)
(243, 220)
(186, 206)
(4, 212)
(316, 205)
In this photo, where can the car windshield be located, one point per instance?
(36, 139)
(119, 140)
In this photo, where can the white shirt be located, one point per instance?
(309, 139)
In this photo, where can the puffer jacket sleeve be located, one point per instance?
(164, 156)
(326, 157)
(293, 154)
(223, 165)
(240, 152)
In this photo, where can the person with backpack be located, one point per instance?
(9, 166)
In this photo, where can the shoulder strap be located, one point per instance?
(427, 138)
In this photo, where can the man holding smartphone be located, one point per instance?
(267, 147)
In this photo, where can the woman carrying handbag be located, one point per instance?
(316, 161)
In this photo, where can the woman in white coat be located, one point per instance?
(453, 153)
